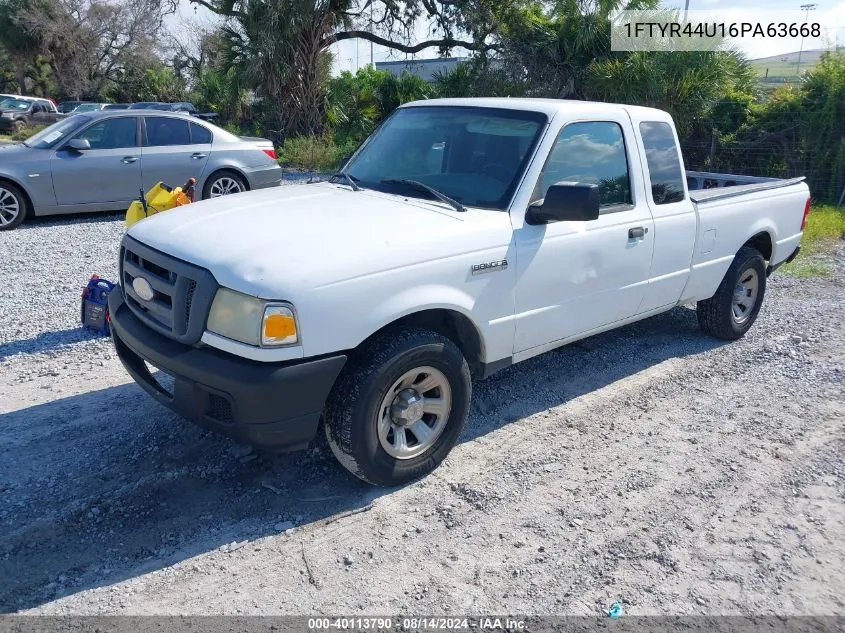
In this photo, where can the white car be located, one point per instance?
(465, 235)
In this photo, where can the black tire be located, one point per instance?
(8, 189)
(219, 176)
(18, 126)
(352, 411)
(716, 315)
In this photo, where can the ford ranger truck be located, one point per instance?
(463, 236)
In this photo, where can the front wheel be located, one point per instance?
(13, 206)
(397, 410)
(731, 312)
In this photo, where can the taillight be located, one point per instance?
(806, 214)
(271, 153)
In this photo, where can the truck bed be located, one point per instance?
(709, 186)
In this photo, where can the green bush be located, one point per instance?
(315, 153)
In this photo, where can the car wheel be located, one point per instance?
(731, 312)
(13, 206)
(397, 409)
(223, 183)
(18, 126)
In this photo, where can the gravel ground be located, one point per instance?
(651, 465)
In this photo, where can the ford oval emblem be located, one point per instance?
(143, 288)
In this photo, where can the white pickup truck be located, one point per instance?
(463, 236)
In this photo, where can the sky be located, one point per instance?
(353, 54)
(829, 13)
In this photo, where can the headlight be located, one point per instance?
(252, 321)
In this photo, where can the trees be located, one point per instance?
(20, 45)
(90, 46)
(356, 103)
(279, 46)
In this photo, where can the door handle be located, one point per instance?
(128, 160)
(637, 233)
(197, 156)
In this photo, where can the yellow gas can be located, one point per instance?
(159, 198)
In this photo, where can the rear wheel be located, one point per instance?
(397, 410)
(731, 312)
(13, 206)
(223, 183)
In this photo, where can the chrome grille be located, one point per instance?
(182, 292)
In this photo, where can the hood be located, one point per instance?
(274, 242)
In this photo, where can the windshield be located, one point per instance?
(474, 155)
(50, 136)
(15, 104)
(86, 107)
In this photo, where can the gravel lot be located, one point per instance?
(650, 465)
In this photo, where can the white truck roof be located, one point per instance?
(549, 107)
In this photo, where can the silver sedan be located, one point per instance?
(102, 161)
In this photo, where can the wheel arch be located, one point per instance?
(19, 185)
(762, 242)
(450, 322)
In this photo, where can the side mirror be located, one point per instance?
(78, 144)
(566, 202)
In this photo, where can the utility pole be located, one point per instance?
(686, 9)
(372, 63)
(806, 8)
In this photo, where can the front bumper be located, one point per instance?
(276, 406)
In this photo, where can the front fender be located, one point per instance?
(324, 331)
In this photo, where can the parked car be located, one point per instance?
(116, 106)
(148, 105)
(182, 106)
(18, 113)
(88, 107)
(465, 235)
(100, 161)
(66, 107)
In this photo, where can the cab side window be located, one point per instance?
(664, 163)
(590, 152)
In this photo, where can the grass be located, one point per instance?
(22, 134)
(824, 232)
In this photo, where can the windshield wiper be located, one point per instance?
(350, 180)
(416, 184)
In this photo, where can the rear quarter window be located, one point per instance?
(199, 134)
(664, 162)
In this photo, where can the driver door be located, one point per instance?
(578, 276)
(105, 177)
